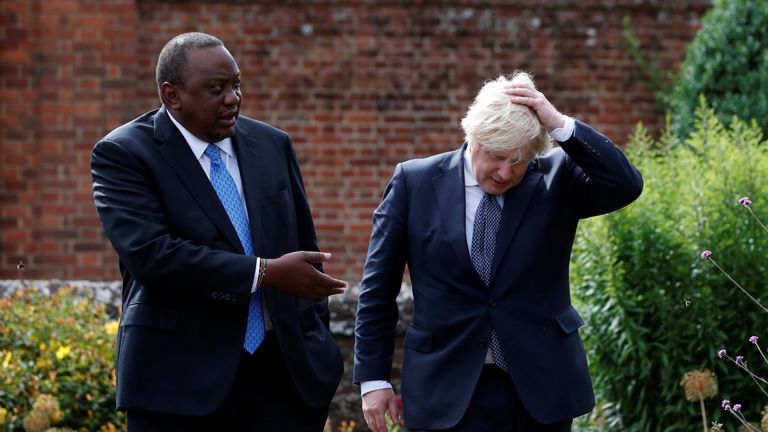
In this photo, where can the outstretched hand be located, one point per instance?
(379, 402)
(524, 94)
(294, 273)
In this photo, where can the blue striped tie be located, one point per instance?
(229, 196)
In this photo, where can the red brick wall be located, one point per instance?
(360, 85)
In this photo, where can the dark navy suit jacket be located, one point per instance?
(186, 282)
(420, 221)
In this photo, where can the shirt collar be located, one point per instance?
(469, 176)
(197, 145)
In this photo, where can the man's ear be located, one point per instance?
(169, 93)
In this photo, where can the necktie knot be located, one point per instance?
(212, 151)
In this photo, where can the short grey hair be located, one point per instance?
(495, 123)
(173, 57)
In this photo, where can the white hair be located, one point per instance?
(495, 123)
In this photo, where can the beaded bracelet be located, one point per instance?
(262, 272)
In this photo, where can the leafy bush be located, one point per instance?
(727, 62)
(57, 358)
(655, 309)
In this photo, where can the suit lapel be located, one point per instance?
(252, 168)
(449, 192)
(516, 202)
(179, 156)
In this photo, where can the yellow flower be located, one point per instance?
(111, 327)
(7, 359)
(42, 347)
(699, 385)
(3, 415)
(62, 352)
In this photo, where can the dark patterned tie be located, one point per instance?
(487, 220)
(229, 196)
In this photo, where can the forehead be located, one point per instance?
(210, 63)
(511, 154)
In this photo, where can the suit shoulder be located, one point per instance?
(428, 163)
(135, 132)
(252, 125)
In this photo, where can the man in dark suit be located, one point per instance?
(225, 314)
(486, 231)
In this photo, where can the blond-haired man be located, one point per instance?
(487, 231)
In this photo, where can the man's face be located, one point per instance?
(497, 172)
(209, 98)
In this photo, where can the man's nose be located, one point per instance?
(232, 97)
(505, 172)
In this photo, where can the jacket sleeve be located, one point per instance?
(601, 179)
(377, 311)
(133, 218)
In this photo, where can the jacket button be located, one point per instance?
(483, 345)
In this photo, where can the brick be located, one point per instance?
(369, 86)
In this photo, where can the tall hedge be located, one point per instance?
(654, 308)
(727, 62)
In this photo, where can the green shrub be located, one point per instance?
(654, 309)
(727, 62)
(57, 358)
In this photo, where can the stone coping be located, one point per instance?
(342, 307)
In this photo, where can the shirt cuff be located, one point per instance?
(256, 275)
(564, 133)
(369, 386)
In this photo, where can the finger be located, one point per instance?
(393, 406)
(332, 283)
(316, 257)
(520, 85)
(524, 91)
(376, 422)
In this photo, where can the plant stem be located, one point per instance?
(758, 383)
(737, 284)
(761, 353)
(756, 218)
(744, 421)
(703, 414)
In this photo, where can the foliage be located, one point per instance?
(727, 62)
(654, 308)
(57, 355)
(646, 65)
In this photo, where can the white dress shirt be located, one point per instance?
(229, 158)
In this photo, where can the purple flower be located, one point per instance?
(745, 201)
(722, 353)
(753, 339)
(706, 254)
(740, 360)
(737, 408)
(726, 404)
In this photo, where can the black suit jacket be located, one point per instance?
(421, 222)
(186, 282)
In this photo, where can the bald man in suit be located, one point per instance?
(225, 313)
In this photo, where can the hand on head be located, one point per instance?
(525, 94)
